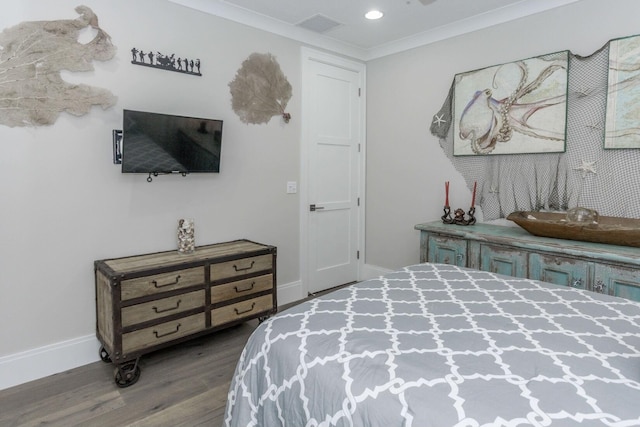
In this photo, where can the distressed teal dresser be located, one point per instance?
(609, 269)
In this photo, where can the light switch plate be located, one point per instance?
(292, 187)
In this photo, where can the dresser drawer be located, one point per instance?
(618, 281)
(162, 333)
(160, 308)
(240, 267)
(154, 284)
(559, 270)
(447, 250)
(241, 288)
(503, 260)
(241, 310)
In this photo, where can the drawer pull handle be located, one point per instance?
(157, 310)
(600, 286)
(237, 269)
(245, 311)
(157, 286)
(168, 333)
(250, 287)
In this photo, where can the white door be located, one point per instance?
(333, 129)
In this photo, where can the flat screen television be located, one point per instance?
(157, 143)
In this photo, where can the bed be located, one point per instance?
(440, 345)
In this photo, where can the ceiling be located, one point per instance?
(340, 26)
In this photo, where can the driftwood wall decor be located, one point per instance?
(260, 90)
(32, 54)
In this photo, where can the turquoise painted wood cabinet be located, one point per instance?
(609, 269)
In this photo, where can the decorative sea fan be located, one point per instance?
(32, 55)
(260, 90)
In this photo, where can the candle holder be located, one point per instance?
(459, 216)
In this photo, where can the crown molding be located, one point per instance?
(478, 22)
(512, 12)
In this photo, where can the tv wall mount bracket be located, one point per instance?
(117, 146)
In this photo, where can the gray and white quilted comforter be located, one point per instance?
(438, 345)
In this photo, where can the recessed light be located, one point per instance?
(374, 14)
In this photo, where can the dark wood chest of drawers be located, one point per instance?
(147, 302)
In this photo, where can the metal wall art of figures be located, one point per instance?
(166, 62)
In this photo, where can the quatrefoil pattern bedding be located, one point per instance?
(439, 345)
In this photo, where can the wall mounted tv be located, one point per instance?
(155, 143)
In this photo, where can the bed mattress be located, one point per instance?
(439, 345)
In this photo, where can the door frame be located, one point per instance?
(308, 56)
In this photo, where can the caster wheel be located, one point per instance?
(104, 356)
(263, 318)
(126, 374)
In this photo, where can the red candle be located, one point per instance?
(473, 198)
(446, 192)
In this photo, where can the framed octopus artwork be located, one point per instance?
(514, 108)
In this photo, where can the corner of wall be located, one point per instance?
(372, 271)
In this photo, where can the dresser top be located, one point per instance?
(518, 237)
(219, 252)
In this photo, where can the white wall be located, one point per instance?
(406, 168)
(65, 204)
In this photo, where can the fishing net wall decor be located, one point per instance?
(585, 175)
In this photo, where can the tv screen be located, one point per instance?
(161, 143)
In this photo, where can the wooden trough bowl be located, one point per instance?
(608, 229)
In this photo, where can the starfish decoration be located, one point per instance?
(596, 126)
(586, 167)
(439, 120)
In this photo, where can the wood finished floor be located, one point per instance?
(185, 385)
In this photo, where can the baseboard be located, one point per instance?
(290, 292)
(294, 291)
(41, 362)
(369, 271)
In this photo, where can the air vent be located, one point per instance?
(318, 23)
